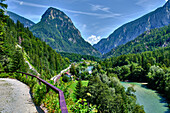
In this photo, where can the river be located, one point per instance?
(150, 99)
(89, 69)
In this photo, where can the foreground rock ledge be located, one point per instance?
(15, 97)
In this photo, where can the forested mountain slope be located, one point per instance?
(57, 30)
(15, 17)
(77, 57)
(127, 32)
(148, 41)
(46, 61)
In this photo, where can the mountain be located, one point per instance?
(15, 17)
(148, 41)
(18, 43)
(127, 32)
(57, 30)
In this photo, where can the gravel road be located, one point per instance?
(55, 78)
(15, 97)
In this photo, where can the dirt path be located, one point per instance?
(15, 97)
(55, 78)
(30, 66)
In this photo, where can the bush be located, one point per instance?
(39, 92)
(66, 78)
(81, 106)
(4, 75)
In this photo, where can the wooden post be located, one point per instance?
(39, 82)
(47, 89)
(20, 40)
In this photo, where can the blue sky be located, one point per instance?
(95, 19)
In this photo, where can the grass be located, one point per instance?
(74, 83)
(73, 86)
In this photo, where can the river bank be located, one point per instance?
(152, 101)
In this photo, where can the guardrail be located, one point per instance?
(63, 106)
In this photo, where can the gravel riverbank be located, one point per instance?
(15, 97)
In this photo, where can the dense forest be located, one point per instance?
(150, 66)
(19, 44)
(109, 95)
(148, 41)
(77, 57)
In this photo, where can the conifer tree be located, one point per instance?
(3, 56)
(77, 92)
(73, 70)
(17, 61)
(2, 8)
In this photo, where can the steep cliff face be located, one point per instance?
(156, 19)
(155, 39)
(57, 30)
(15, 17)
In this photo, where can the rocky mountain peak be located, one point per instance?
(57, 30)
(53, 13)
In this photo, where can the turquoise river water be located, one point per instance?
(150, 99)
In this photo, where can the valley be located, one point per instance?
(50, 64)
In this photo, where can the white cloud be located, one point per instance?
(108, 13)
(80, 26)
(21, 2)
(146, 4)
(30, 4)
(84, 27)
(101, 8)
(166, 0)
(140, 2)
(113, 15)
(93, 39)
(92, 14)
